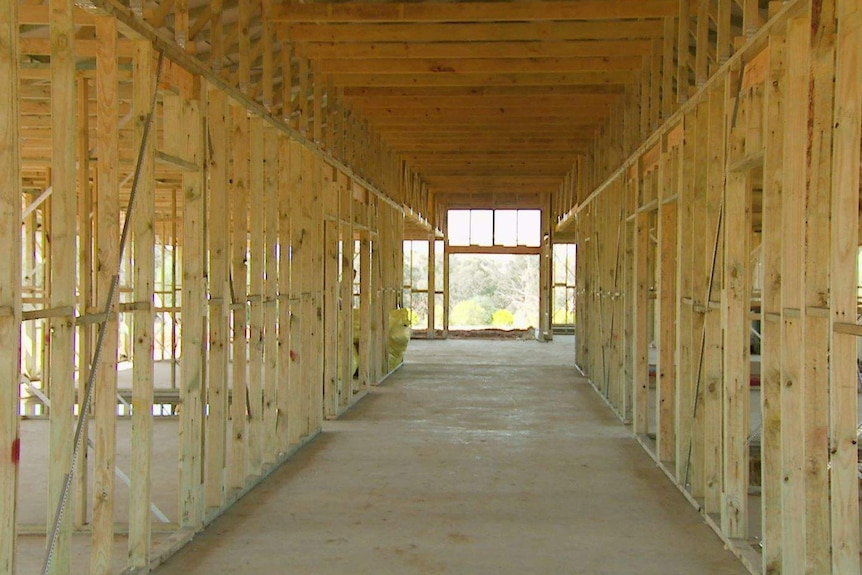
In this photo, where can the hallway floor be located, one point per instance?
(477, 457)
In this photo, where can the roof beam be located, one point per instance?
(474, 11)
(479, 66)
(490, 105)
(484, 91)
(465, 50)
(591, 78)
(488, 113)
(481, 32)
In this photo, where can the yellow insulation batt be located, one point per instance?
(399, 335)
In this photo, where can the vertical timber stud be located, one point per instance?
(666, 312)
(446, 269)
(218, 225)
(735, 305)
(546, 280)
(330, 297)
(85, 293)
(640, 303)
(238, 181)
(365, 299)
(192, 365)
(63, 214)
(844, 504)
(702, 249)
(322, 186)
(291, 319)
(105, 406)
(270, 207)
(815, 317)
(667, 99)
(683, 48)
(346, 349)
(432, 283)
(711, 373)
(684, 383)
(624, 305)
(770, 351)
(702, 47)
(793, 493)
(284, 246)
(305, 270)
(10, 281)
(257, 263)
(142, 354)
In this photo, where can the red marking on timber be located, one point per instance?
(16, 450)
(293, 355)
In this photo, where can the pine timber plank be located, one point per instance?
(771, 334)
(244, 44)
(474, 11)
(322, 186)
(216, 36)
(107, 256)
(304, 84)
(365, 299)
(816, 328)
(451, 66)
(655, 82)
(702, 43)
(640, 303)
(304, 272)
(218, 235)
(268, 59)
(317, 82)
(793, 493)
(238, 194)
(702, 249)
(143, 238)
(668, 99)
(475, 49)
(346, 289)
(294, 358)
(712, 376)
(257, 274)
(685, 384)
(270, 205)
(666, 310)
(735, 325)
(189, 121)
(844, 504)
(476, 79)
(10, 280)
(86, 289)
(474, 32)
(683, 82)
(331, 348)
(288, 176)
(63, 215)
(432, 286)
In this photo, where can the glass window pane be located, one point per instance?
(506, 228)
(529, 228)
(481, 227)
(459, 227)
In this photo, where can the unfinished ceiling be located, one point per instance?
(487, 98)
(485, 103)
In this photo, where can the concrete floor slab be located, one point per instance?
(476, 457)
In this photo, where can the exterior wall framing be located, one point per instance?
(752, 176)
(236, 212)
